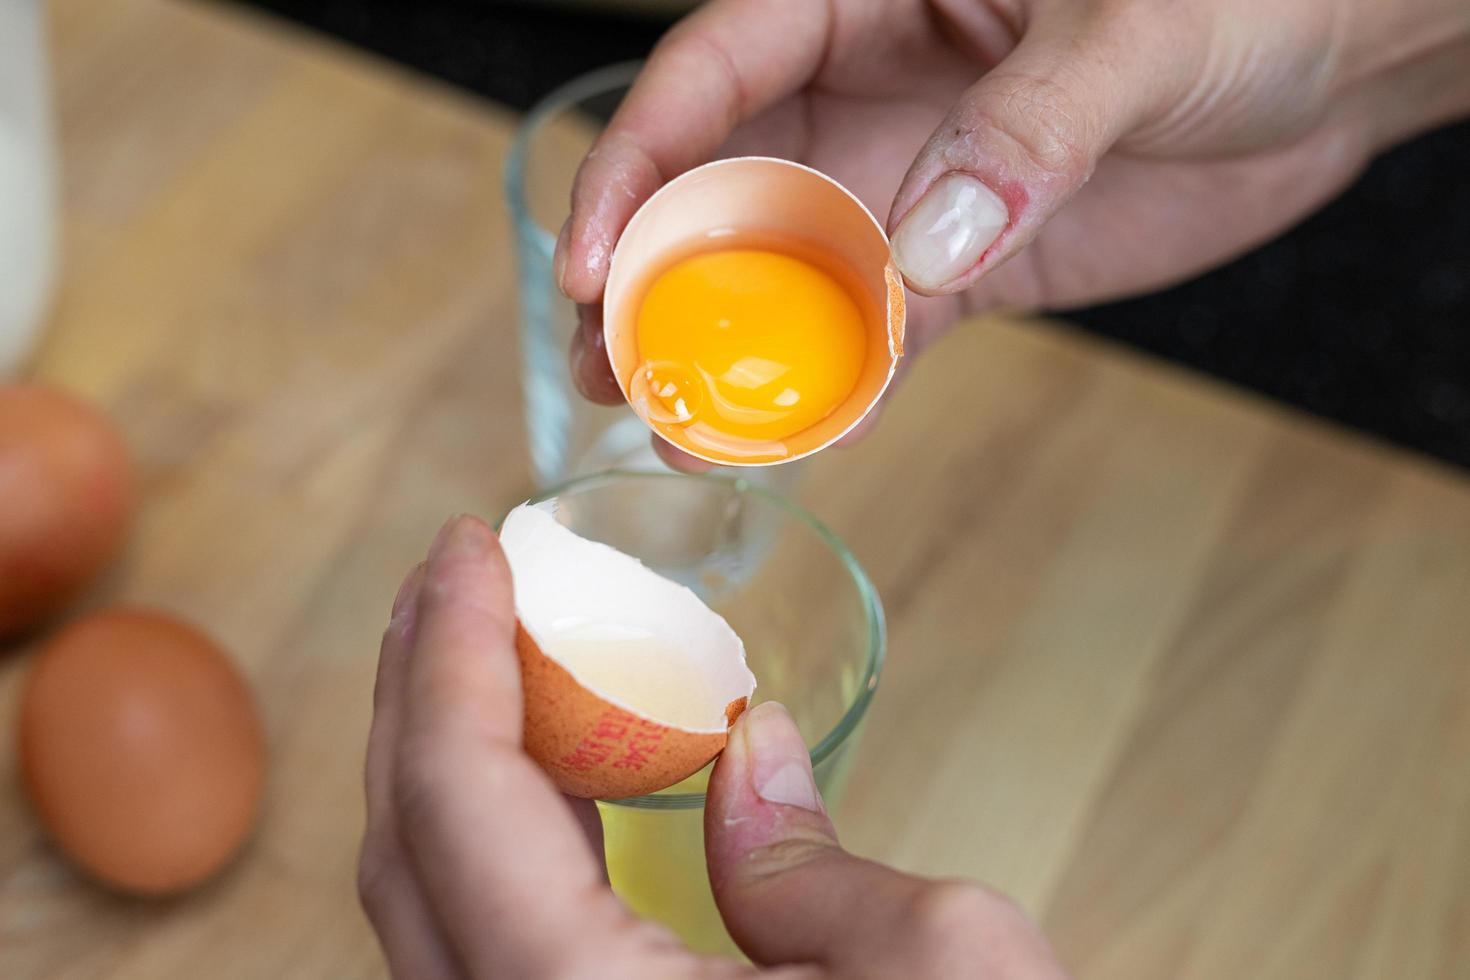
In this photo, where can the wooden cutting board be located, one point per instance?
(1186, 673)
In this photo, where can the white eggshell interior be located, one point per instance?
(573, 591)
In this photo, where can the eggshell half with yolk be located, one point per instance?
(771, 203)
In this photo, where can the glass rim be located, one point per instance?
(867, 594)
(579, 89)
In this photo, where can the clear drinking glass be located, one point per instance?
(814, 637)
(569, 436)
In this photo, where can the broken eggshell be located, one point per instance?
(630, 682)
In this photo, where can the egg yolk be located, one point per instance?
(754, 343)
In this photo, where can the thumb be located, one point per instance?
(789, 893)
(1019, 143)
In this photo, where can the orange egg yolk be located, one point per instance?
(753, 343)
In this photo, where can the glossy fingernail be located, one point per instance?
(677, 459)
(408, 590)
(780, 766)
(945, 234)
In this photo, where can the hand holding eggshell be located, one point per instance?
(473, 864)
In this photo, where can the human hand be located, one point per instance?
(473, 865)
(1067, 152)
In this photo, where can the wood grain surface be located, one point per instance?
(1187, 674)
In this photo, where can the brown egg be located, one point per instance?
(67, 492)
(141, 750)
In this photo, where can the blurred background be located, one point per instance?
(1361, 314)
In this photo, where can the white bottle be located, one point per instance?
(27, 181)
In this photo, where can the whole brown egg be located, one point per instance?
(141, 750)
(66, 497)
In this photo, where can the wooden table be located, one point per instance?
(1186, 673)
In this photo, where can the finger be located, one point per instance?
(677, 459)
(1022, 140)
(717, 68)
(591, 368)
(767, 836)
(399, 914)
(387, 701)
(864, 428)
(789, 893)
(502, 860)
(590, 820)
(391, 898)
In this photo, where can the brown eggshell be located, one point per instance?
(762, 197)
(66, 500)
(141, 750)
(593, 748)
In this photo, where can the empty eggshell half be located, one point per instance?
(630, 681)
(768, 199)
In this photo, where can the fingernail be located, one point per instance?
(948, 230)
(455, 537)
(780, 767)
(408, 589)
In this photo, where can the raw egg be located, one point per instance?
(66, 499)
(141, 750)
(753, 312)
(760, 343)
(630, 681)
